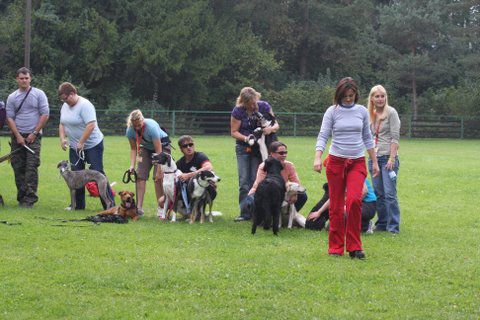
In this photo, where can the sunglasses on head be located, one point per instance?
(187, 145)
(282, 152)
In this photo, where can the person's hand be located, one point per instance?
(31, 137)
(317, 165)
(20, 140)
(63, 144)
(184, 177)
(390, 164)
(80, 146)
(313, 215)
(131, 169)
(375, 169)
(267, 130)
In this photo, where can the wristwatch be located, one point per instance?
(35, 133)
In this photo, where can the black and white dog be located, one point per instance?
(269, 197)
(199, 195)
(258, 136)
(170, 185)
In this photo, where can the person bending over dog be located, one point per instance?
(243, 122)
(78, 122)
(145, 137)
(279, 151)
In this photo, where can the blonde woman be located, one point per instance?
(243, 122)
(385, 127)
(145, 137)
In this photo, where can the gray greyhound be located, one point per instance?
(78, 179)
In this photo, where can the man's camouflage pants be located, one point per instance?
(25, 167)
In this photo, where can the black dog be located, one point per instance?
(319, 223)
(269, 197)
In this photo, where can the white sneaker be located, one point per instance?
(370, 227)
(69, 208)
(160, 213)
(140, 212)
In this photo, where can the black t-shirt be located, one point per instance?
(196, 163)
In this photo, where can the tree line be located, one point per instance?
(198, 54)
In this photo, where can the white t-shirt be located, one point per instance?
(76, 118)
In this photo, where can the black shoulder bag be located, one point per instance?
(21, 103)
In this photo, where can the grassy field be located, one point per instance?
(158, 270)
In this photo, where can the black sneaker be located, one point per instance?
(241, 218)
(359, 254)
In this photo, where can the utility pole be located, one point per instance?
(28, 32)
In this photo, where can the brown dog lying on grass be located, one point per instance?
(127, 208)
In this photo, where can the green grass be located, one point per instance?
(156, 270)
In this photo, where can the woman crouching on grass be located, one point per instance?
(385, 126)
(347, 123)
(145, 138)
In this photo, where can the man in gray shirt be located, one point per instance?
(27, 114)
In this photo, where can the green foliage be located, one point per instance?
(155, 270)
(197, 54)
(303, 96)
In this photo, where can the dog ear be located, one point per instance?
(121, 193)
(133, 194)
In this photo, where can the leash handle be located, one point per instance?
(129, 176)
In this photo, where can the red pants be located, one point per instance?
(345, 176)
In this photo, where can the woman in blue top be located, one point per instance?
(145, 137)
(78, 122)
(243, 122)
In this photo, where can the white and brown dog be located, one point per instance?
(288, 205)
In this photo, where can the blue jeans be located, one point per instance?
(93, 156)
(388, 209)
(247, 165)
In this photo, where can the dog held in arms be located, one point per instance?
(258, 137)
(78, 179)
(269, 197)
(199, 195)
(170, 183)
(127, 208)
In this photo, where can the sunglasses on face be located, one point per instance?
(282, 153)
(187, 145)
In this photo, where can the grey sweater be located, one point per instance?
(349, 130)
(388, 132)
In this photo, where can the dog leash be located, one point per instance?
(131, 176)
(81, 156)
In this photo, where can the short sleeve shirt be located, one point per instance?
(249, 124)
(75, 120)
(151, 132)
(199, 158)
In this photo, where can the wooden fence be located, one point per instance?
(180, 122)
